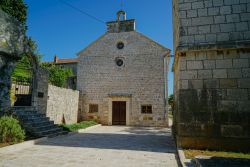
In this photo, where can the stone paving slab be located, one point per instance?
(117, 146)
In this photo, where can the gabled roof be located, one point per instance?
(91, 44)
(140, 34)
(156, 43)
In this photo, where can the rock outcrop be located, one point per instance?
(11, 48)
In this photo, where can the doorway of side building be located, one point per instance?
(119, 113)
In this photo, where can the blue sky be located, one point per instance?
(61, 30)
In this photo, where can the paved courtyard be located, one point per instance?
(112, 146)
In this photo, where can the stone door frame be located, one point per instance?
(126, 99)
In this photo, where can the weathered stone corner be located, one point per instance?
(11, 48)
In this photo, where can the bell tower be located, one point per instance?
(121, 24)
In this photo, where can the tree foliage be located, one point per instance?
(18, 9)
(171, 100)
(23, 69)
(24, 66)
(15, 8)
(57, 75)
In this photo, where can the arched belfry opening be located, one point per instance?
(121, 15)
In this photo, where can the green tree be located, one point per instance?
(171, 100)
(23, 69)
(15, 8)
(57, 75)
(18, 9)
(24, 66)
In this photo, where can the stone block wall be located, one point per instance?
(201, 22)
(62, 105)
(211, 74)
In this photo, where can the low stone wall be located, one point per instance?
(62, 105)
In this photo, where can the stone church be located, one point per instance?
(122, 77)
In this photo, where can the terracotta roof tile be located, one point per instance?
(64, 61)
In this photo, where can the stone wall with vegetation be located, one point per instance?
(59, 104)
(212, 74)
(11, 47)
(62, 105)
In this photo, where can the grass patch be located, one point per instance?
(81, 125)
(190, 154)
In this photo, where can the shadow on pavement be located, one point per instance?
(221, 162)
(134, 138)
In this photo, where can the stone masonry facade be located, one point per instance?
(138, 81)
(212, 74)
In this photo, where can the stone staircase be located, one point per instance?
(37, 124)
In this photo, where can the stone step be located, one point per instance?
(41, 127)
(50, 132)
(29, 115)
(35, 119)
(44, 128)
(41, 123)
(58, 133)
(23, 108)
(36, 123)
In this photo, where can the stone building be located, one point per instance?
(67, 63)
(122, 77)
(212, 73)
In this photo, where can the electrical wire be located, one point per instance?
(81, 11)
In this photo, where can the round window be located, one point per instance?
(120, 45)
(119, 62)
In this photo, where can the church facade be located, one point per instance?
(122, 77)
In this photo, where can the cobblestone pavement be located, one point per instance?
(113, 146)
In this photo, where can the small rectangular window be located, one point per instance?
(146, 109)
(93, 108)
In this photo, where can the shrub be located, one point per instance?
(57, 75)
(10, 130)
(12, 96)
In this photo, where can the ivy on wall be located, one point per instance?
(15, 8)
(57, 75)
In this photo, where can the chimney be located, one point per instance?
(55, 59)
